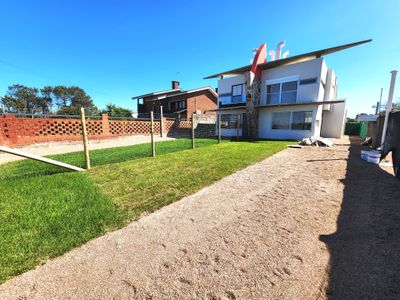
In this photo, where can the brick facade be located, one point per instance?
(203, 100)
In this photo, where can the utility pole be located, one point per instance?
(389, 105)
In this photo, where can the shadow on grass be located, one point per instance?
(364, 251)
(27, 168)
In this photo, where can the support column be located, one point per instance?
(105, 124)
(253, 91)
(12, 133)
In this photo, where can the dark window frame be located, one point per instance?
(177, 105)
(306, 127)
(306, 81)
(273, 126)
(237, 98)
(281, 83)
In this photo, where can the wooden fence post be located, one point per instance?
(85, 139)
(193, 141)
(237, 126)
(153, 145)
(161, 121)
(219, 128)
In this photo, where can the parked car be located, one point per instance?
(392, 141)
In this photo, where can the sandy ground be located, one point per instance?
(66, 147)
(307, 223)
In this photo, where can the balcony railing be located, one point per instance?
(229, 100)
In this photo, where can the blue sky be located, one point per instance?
(119, 49)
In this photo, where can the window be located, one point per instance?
(229, 121)
(302, 120)
(289, 92)
(294, 120)
(273, 91)
(284, 92)
(177, 105)
(237, 93)
(308, 81)
(281, 120)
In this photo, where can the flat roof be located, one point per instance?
(289, 60)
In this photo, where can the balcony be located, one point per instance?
(227, 100)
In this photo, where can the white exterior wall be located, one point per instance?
(334, 121)
(328, 120)
(304, 70)
(265, 123)
(225, 87)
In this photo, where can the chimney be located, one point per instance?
(175, 84)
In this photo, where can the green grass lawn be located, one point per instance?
(45, 210)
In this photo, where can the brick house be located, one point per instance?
(177, 102)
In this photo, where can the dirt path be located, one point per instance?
(66, 147)
(304, 224)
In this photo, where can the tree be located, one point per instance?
(22, 99)
(395, 106)
(70, 99)
(61, 95)
(116, 111)
(45, 100)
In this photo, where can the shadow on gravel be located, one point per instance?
(365, 250)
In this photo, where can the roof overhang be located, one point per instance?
(156, 93)
(290, 60)
(207, 88)
(282, 105)
(302, 103)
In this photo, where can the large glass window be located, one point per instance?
(273, 91)
(302, 120)
(296, 120)
(229, 121)
(281, 120)
(285, 92)
(289, 92)
(237, 93)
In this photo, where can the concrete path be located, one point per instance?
(298, 225)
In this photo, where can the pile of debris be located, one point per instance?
(316, 141)
(313, 141)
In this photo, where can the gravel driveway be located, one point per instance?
(303, 224)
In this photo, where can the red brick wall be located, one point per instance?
(24, 131)
(203, 102)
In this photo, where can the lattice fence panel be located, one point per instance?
(132, 127)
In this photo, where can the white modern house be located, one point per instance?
(298, 98)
